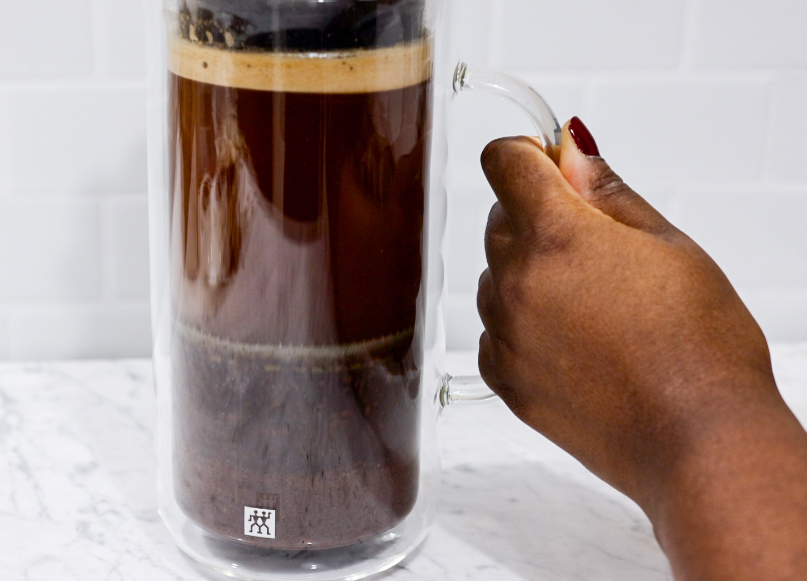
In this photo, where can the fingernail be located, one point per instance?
(582, 137)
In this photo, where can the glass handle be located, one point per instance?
(471, 389)
(531, 102)
(464, 389)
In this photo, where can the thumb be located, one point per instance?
(595, 181)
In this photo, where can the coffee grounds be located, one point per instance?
(294, 25)
(328, 439)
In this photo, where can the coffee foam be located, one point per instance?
(358, 71)
(321, 354)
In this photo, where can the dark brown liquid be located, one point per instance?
(296, 255)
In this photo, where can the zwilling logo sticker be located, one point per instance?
(259, 522)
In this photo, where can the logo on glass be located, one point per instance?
(259, 522)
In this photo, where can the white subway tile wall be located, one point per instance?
(787, 151)
(756, 235)
(85, 138)
(127, 223)
(122, 42)
(79, 331)
(51, 251)
(585, 35)
(681, 131)
(701, 105)
(47, 39)
(750, 33)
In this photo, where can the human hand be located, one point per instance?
(606, 328)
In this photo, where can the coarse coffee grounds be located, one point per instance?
(327, 439)
(300, 25)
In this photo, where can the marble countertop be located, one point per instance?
(78, 500)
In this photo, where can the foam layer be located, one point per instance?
(359, 71)
(300, 354)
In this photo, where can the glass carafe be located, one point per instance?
(297, 155)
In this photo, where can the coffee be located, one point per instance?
(297, 225)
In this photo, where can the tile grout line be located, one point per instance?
(588, 100)
(45, 84)
(86, 305)
(672, 76)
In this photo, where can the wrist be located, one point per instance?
(727, 495)
(705, 440)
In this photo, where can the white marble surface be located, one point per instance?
(77, 488)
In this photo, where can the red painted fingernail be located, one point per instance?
(582, 137)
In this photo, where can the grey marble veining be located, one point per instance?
(78, 501)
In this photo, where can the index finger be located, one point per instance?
(526, 181)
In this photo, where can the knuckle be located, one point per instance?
(550, 239)
(494, 152)
(498, 236)
(607, 184)
(485, 282)
(543, 241)
(506, 162)
(498, 224)
(495, 247)
(503, 147)
(497, 218)
(509, 289)
(485, 299)
(497, 309)
(512, 289)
